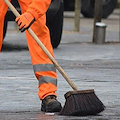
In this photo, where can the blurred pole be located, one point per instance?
(77, 15)
(97, 16)
(119, 19)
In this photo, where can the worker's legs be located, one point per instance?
(3, 10)
(43, 67)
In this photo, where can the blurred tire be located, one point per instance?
(88, 8)
(4, 29)
(55, 26)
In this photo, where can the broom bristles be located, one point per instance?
(81, 103)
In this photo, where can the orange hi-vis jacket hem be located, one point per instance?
(44, 69)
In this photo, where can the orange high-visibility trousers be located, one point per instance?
(43, 68)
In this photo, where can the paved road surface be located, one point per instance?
(87, 64)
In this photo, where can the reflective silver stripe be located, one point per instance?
(46, 79)
(44, 67)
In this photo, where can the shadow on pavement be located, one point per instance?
(13, 47)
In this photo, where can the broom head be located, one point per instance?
(82, 103)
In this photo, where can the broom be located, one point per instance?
(78, 103)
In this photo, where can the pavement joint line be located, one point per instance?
(16, 78)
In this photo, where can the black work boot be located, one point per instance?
(50, 104)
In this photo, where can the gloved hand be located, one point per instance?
(24, 21)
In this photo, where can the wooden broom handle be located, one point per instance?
(43, 48)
